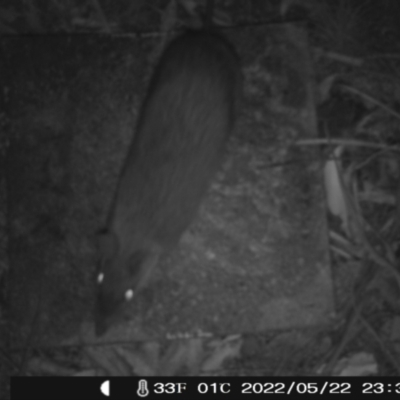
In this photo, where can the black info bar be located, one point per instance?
(88, 388)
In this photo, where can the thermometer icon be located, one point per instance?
(142, 391)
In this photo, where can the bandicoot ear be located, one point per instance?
(107, 243)
(135, 262)
(141, 265)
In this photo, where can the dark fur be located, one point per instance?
(184, 123)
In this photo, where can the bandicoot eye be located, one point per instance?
(129, 295)
(100, 278)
